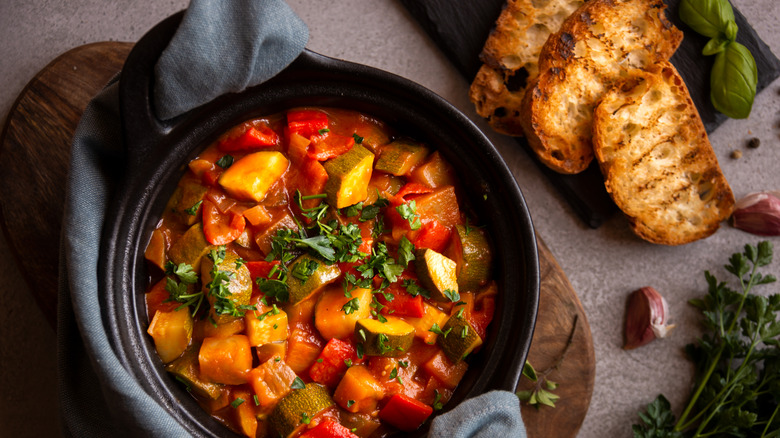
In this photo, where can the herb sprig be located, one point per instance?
(734, 75)
(737, 360)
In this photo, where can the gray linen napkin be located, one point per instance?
(221, 46)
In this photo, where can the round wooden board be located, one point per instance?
(37, 137)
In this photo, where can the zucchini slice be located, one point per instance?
(187, 370)
(298, 406)
(348, 177)
(436, 273)
(308, 275)
(461, 338)
(190, 247)
(400, 157)
(390, 339)
(239, 287)
(471, 251)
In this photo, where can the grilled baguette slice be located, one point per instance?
(510, 57)
(599, 44)
(657, 161)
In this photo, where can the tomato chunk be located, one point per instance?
(253, 138)
(328, 429)
(332, 363)
(306, 122)
(433, 235)
(221, 228)
(405, 413)
(402, 302)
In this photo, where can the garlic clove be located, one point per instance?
(646, 316)
(758, 213)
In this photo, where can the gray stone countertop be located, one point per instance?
(603, 265)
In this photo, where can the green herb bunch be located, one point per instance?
(737, 361)
(734, 75)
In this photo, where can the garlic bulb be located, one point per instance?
(646, 318)
(758, 213)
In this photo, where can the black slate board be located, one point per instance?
(460, 29)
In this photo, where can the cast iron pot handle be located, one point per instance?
(141, 129)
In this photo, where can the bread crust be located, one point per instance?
(510, 57)
(657, 161)
(602, 42)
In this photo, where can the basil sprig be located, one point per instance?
(734, 74)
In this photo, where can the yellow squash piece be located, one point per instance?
(348, 177)
(172, 333)
(436, 273)
(423, 324)
(330, 314)
(251, 176)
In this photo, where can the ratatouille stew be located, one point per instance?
(316, 275)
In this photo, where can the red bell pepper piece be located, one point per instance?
(411, 188)
(405, 412)
(221, 228)
(331, 363)
(252, 138)
(402, 304)
(328, 429)
(306, 122)
(329, 146)
(432, 235)
(156, 299)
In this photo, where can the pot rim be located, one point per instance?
(157, 153)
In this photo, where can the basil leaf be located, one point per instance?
(733, 81)
(707, 17)
(715, 46)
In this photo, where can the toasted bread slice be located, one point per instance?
(599, 44)
(657, 161)
(510, 57)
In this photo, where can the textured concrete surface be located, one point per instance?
(604, 265)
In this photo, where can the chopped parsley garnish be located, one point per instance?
(452, 295)
(408, 211)
(237, 402)
(405, 251)
(436, 329)
(358, 139)
(297, 383)
(304, 269)
(225, 162)
(351, 306)
(192, 211)
(323, 131)
(414, 289)
(350, 403)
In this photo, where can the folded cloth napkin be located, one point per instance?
(219, 47)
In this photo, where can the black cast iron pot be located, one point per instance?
(157, 153)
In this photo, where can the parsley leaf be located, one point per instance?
(297, 383)
(408, 211)
(225, 162)
(192, 211)
(351, 306)
(405, 251)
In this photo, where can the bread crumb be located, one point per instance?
(736, 154)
